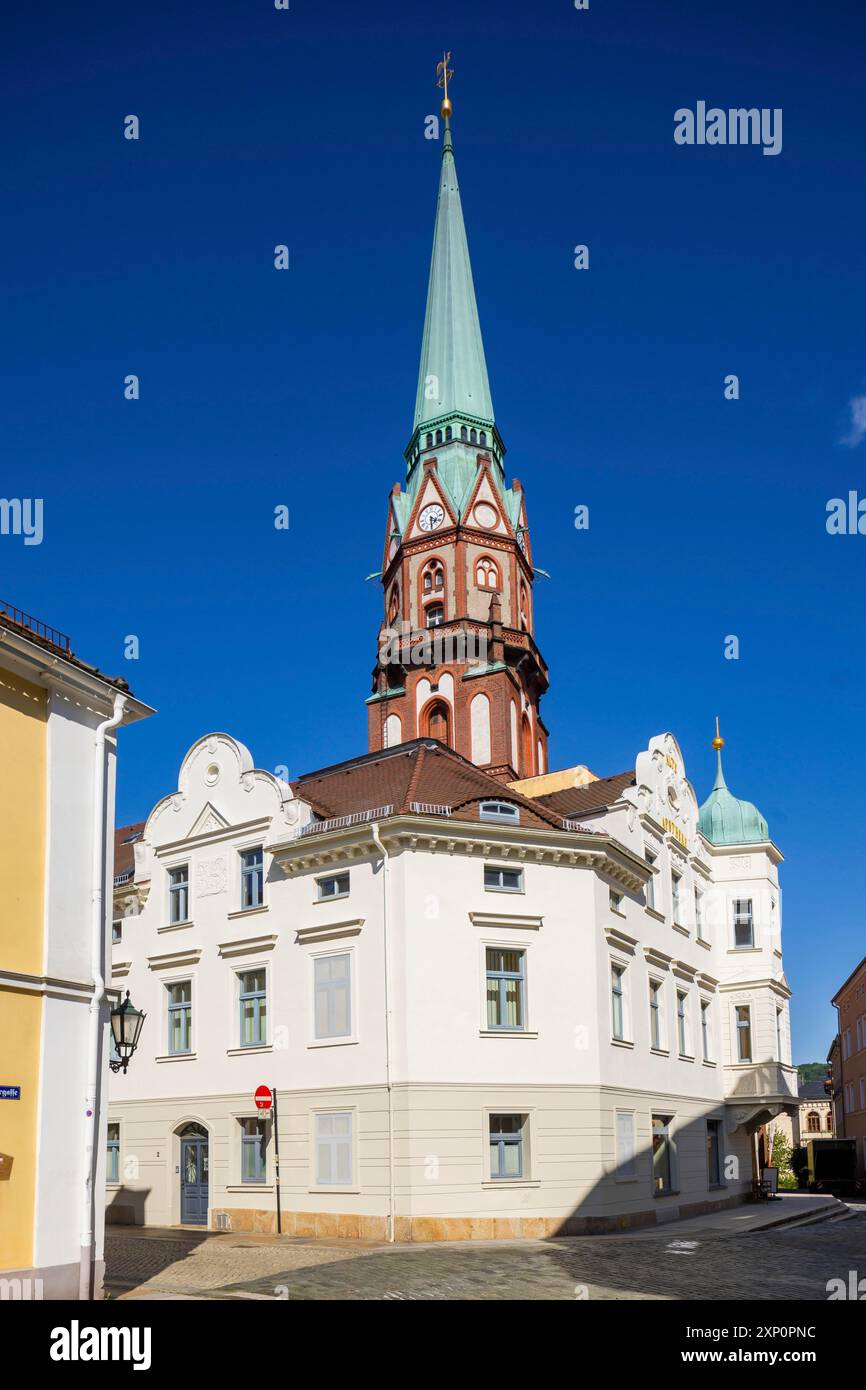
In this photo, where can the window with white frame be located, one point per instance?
(743, 1016)
(676, 897)
(506, 986)
(650, 886)
(254, 1168)
(662, 1155)
(682, 1023)
(706, 1031)
(334, 1149)
(112, 1152)
(253, 996)
(501, 880)
(178, 894)
(699, 915)
(714, 1153)
(252, 878)
(332, 988)
(332, 886)
(502, 811)
(626, 1156)
(744, 926)
(116, 930)
(507, 1147)
(656, 995)
(179, 1017)
(617, 1001)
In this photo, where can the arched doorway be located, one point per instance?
(194, 1166)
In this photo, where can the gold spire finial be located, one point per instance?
(718, 741)
(443, 75)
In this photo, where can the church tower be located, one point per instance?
(457, 657)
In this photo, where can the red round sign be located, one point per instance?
(263, 1098)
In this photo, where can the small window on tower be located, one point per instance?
(435, 615)
(473, 436)
(464, 433)
(429, 441)
(449, 434)
(438, 436)
(482, 438)
(487, 574)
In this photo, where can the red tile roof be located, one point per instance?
(422, 771)
(595, 796)
(124, 847)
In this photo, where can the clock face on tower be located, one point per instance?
(431, 517)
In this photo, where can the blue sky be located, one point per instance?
(260, 388)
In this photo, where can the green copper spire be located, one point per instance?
(452, 380)
(724, 819)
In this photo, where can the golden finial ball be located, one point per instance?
(446, 109)
(718, 742)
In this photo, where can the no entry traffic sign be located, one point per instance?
(263, 1098)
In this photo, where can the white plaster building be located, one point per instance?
(483, 1016)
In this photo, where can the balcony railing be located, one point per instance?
(36, 626)
(318, 827)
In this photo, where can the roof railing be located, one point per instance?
(568, 824)
(318, 827)
(36, 626)
(429, 808)
(120, 879)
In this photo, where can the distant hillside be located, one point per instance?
(812, 1071)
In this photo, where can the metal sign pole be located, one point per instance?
(277, 1163)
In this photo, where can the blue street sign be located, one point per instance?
(10, 1092)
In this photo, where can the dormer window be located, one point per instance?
(502, 811)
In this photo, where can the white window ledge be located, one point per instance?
(248, 912)
(249, 1187)
(506, 1033)
(177, 1057)
(175, 926)
(247, 1051)
(622, 1042)
(511, 1182)
(333, 1042)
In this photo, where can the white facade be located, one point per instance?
(382, 1035)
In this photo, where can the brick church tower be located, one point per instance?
(457, 657)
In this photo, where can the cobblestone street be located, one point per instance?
(688, 1261)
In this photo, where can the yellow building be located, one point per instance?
(58, 718)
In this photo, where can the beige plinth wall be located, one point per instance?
(443, 1189)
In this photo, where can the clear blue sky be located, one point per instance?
(261, 387)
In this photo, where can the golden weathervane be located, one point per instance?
(443, 75)
(718, 741)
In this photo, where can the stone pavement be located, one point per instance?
(701, 1259)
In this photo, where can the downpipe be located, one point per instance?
(377, 841)
(98, 999)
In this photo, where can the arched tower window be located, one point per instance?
(524, 607)
(449, 434)
(436, 721)
(394, 604)
(813, 1123)
(526, 746)
(482, 438)
(473, 436)
(438, 436)
(433, 577)
(486, 573)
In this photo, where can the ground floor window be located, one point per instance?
(112, 1154)
(253, 1151)
(662, 1157)
(334, 1149)
(507, 1146)
(714, 1153)
(626, 1162)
